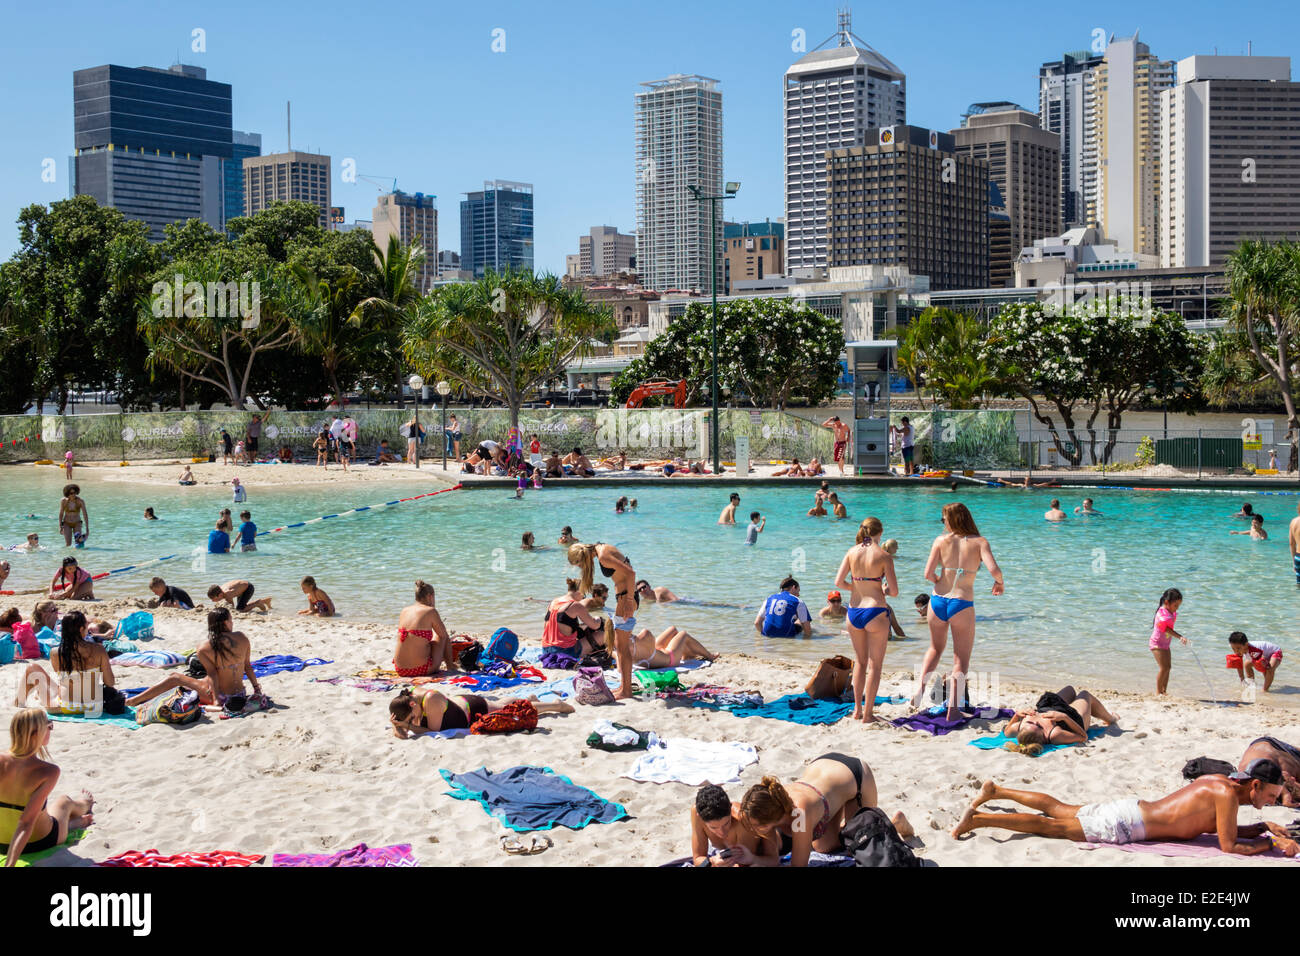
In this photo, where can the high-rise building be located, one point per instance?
(411, 218)
(151, 142)
(1025, 163)
(1125, 125)
(496, 228)
(280, 177)
(1065, 89)
(678, 145)
(908, 199)
(606, 252)
(1230, 157)
(242, 146)
(833, 96)
(1001, 259)
(753, 251)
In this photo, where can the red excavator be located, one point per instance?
(646, 389)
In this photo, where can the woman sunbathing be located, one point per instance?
(792, 470)
(423, 644)
(832, 789)
(669, 649)
(1060, 718)
(30, 820)
(415, 712)
(85, 676)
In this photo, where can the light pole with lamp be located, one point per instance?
(444, 389)
(729, 192)
(416, 384)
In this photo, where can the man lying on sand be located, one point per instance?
(1206, 805)
(1286, 757)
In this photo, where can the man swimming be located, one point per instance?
(1054, 512)
(1208, 804)
(1086, 508)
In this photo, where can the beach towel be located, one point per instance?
(814, 859)
(527, 798)
(126, 721)
(557, 660)
(798, 709)
(27, 859)
(938, 725)
(277, 663)
(560, 689)
(619, 738)
(360, 855)
(490, 682)
(1205, 845)
(445, 734)
(154, 858)
(693, 762)
(121, 646)
(149, 659)
(378, 686)
(999, 740)
(714, 696)
(252, 704)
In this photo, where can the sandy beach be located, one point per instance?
(323, 772)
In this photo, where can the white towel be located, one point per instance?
(614, 736)
(694, 762)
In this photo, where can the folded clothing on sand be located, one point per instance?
(275, 663)
(360, 855)
(527, 798)
(154, 858)
(619, 738)
(715, 696)
(938, 724)
(693, 762)
(999, 740)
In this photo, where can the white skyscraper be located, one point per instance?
(832, 96)
(1065, 90)
(678, 145)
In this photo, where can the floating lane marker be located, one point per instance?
(354, 511)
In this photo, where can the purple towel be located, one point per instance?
(359, 855)
(938, 724)
(558, 660)
(275, 663)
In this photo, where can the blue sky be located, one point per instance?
(414, 90)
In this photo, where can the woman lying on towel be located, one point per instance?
(415, 712)
(832, 789)
(1061, 718)
(669, 649)
(717, 822)
(31, 819)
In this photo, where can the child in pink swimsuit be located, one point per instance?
(1162, 629)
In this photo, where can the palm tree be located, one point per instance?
(327, 328)
(390, 296)
(1264, 304)
(505, 334)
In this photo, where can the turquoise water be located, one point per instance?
(1079, 602)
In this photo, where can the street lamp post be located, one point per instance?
(444, 389)
(416, 384)
(729, 192)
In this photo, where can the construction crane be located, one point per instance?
(379, 181)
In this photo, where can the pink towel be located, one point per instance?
(154, 858)
(359, 855)
(1205, 845)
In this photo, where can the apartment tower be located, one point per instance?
(411, 218)
(280, 177)
(1065, 89)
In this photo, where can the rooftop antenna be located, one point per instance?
(1248, 47)
(288, 124)
(845, 25)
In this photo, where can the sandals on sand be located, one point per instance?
(516, 845)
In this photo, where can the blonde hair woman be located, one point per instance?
(613, 564)
(29, 820)
(868, 570)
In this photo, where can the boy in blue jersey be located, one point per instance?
(784, 614)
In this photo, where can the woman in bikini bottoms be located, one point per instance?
(869, 571)
(1064, 717)
(84, 675)
(423, 644)
(669, 649)
(71, 512)
(416, 712)
(30, 819)
(832, 789)
(613, 564)
(955, 559)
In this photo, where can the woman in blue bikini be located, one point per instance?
(955, 558)
(868, 569)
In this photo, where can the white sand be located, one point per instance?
(324, 772)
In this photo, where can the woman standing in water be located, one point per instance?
(613, 564)
(868, 570)
(955, 559)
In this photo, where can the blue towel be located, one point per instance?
(149, 659)
(275, 663)
(125, 721)
(999, 740)
(798, 709)
(532, 798)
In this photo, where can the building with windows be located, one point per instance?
(411, 218)
(605, 252)
(1229, 157)
(752, 251)
(833, 96)
(242, 145)
(496, 228)
(678, 123)
(909, 200)
(280, 177)
(151, 143)
(1065, 91)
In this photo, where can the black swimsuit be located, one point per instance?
(454, 717)
(46, 842)
(609, 573)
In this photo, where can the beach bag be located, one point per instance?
(135, 627)
(114, 701)
(1203, 766)
(47, 640)
(7, 648)
(870, 838)
(831, 678)
(590, 687)
(515, 716)
(503, 645)
(25, 639)
(179, 707)
(194, 667)
(469, 657)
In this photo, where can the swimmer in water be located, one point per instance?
(620, 506)
(528, 543)
(1054, 512)
(1086, 508)
(818, 510)
(149, 515)
(837, 506)
(1256, 530)
(660, 595)
(567, 537)
(728, 515)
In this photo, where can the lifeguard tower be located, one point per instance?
(870, 364)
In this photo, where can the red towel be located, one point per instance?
(154, 858)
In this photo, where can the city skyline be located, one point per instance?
(512, 125)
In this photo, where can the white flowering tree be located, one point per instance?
(1074, 363)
